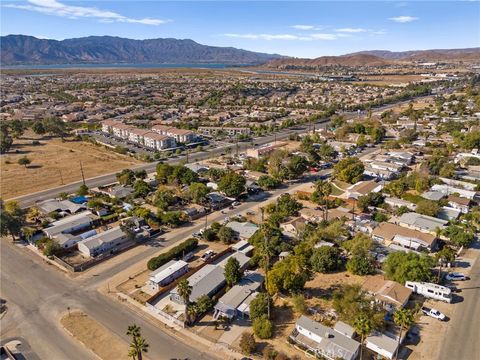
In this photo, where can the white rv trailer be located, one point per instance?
(429, 290)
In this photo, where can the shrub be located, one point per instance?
(175, 252)
(263, 328)
(248, 343)
(259, 306)
(299, 303)
(269, 353)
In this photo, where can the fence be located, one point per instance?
(162, 316)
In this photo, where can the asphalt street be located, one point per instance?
(462, 340)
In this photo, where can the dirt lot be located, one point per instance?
(53, 161)
(95, 336)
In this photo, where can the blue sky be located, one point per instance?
(294, 28)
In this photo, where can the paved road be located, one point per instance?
(37, 294)
(462, 340)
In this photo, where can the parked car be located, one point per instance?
(208, 254)
(456, 277)
(197, 235)
(236, 203)
(433, 313)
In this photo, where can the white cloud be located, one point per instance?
(351, 30)
(323, 36)
(270, 37)
(53, 7)
(403, 19)
(306, 27)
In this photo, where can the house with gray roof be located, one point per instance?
(70, 224)
(206, 281)
(382, 345)
(103, 242)
(244, 230)
(424, 223)
(167, 273)
(60, 206)
(236, 302)
(324, 341)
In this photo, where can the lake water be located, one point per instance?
(118, 66)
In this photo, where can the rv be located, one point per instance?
(429, 290)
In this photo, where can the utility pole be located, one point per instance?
(81, 170)
(61, 176)
(187, 155)
(206, 214)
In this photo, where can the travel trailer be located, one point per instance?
(429, 290)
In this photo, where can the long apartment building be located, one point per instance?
(180, 135)
(147, 138)
(230, 131)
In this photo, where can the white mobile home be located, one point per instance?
(429, 290)
(166, 274)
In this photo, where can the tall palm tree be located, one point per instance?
(184, 291)
(404, 318)
(363, 326)
(324, 189)
(139, 345)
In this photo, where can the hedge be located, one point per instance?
(175, 252)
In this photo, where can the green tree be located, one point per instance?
(458, 236)
(259, 306)
(325, 259)
(139, 345)
(232, 272)
(349, 169)
(164, 171)
(427, 207)
(361, 264)
(372, 199)
(286, 276)
(359, 244)
(232, 184)
(51, 248)
(126, 177)
(401, 267)
(204, 304)
(404, 318)
(38, 128)
(82, 190)
(197, 192)
(267, 182)
(184, 291)
(296, 166)
(226, 235)
(363, 327)
(262, 327)
(141, 189)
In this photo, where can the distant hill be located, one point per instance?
(353, 60)
(469, 54)
(21, 49)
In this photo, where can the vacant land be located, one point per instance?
(95, 336)
(54, 163)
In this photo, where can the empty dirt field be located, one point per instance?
(95, 336)
(54, 163)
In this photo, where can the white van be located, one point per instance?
(429, 290)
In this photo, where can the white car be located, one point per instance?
(207, 255)
(456, 277)
(433, 313)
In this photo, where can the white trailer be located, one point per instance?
(429, 290)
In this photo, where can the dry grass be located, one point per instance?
(53, 160)
(95, 336)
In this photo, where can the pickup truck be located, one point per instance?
(433, 313)
(207, 255)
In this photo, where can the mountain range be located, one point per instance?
(22, 49)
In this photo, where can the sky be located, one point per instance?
(294, 28)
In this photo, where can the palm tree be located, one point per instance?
(404, 318)
(139, 345)
(324, 189)
(184, 291)
(34, 213)
(363, 326)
